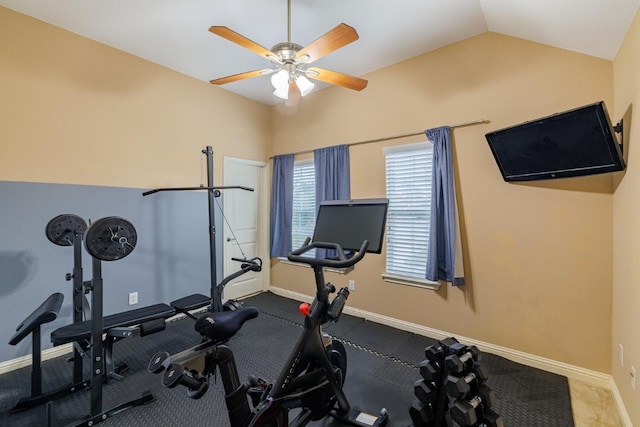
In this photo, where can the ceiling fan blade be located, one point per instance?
(241, 40)
(335, 78)
(333, 40)
(241, 76)
(293, 98)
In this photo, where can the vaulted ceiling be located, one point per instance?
(173, 33)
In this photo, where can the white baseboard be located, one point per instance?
(622, 409)
(575, 372)
(24, 361)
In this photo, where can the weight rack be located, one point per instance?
(452, 390)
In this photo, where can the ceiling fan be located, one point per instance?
(291, 61)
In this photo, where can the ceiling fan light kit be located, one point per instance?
(281, 80)
(289, 77)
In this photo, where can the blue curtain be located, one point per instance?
(331, 166)
(333, 178)
(281, 205)
(444, 261)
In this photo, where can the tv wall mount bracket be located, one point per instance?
(618, 128)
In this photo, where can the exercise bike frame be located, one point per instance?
(308, 370)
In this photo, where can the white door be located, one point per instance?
(243, 228)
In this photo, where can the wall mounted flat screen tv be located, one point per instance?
(350, 222)
(573, 143)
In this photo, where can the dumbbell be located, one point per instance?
(421, 414)
(159, 362)
(462, 357)
(430, 371)
(437, 351)
(434, 353)
(448, 342)
(458, 387)
(425, 391)
(465, 412)
(491, 419)
(177, 375)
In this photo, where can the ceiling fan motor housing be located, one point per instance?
(286, 51)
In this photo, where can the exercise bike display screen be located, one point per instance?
(350, 222)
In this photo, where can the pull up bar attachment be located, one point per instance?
(202, 187)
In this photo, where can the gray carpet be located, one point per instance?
(382, 366)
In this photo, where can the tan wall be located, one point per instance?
(539, 256)
(76, 111)
(626, 228)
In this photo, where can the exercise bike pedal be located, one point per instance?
(257, 382)
(362, 419)
(256, 389)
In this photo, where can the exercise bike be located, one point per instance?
(311, 379)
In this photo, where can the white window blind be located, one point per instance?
(304, 202)
(408, 179)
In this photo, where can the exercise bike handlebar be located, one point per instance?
(253, 264)
(342, 260)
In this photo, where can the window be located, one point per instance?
(304, 202)
(408, 180)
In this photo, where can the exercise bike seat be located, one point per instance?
(221, 326)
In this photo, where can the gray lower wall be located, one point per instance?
(170, 260)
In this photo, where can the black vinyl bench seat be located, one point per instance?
(191, 302)
(82, 330)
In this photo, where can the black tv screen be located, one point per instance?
(573, 143)
(350, 222)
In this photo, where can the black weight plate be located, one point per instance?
(111, 238)
(232, 305)
(62, 229)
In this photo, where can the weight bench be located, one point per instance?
(117, 326)
(45, 313)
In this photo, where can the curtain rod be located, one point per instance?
(404, 135)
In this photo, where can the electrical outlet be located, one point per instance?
(621, 355)
(133, 298)
(633, 378)
(352, 285)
